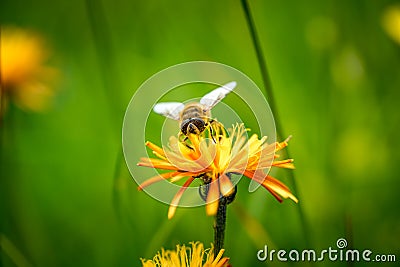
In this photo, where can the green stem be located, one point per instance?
(260, 56)
(272, 103)
(219, 226)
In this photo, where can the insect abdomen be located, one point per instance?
(192, 111)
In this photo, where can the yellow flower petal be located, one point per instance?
(155, 148)
(184, 256)
(225, 185)
(212, 199)
(177, 198)
(156, 163)
(287, 163)
(157, 179)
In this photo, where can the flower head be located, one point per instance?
(183, 256)
(391, 22)
(25, 78)
(213, 160)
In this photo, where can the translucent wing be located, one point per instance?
(215, 96)
(170, 110)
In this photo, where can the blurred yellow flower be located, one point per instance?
(214, 162)
(25, 78)
(391, 22)
(183, 256)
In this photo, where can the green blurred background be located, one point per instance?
(67, 198)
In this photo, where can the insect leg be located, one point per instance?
(211, 133)
(203, 191)
(184, 141)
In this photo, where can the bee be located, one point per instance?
(195, 117)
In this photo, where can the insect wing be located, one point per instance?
(170, 110)
(215, 96)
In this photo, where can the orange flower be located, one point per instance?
(213, 162)
(24, 76)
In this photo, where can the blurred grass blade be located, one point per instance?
(122, 189)
(255, 230)
(118, 183)
(106, 59)
(272, 103)
(163, 232)
(104, 50)
(13, 253)
(260, 56)
(3, 102)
